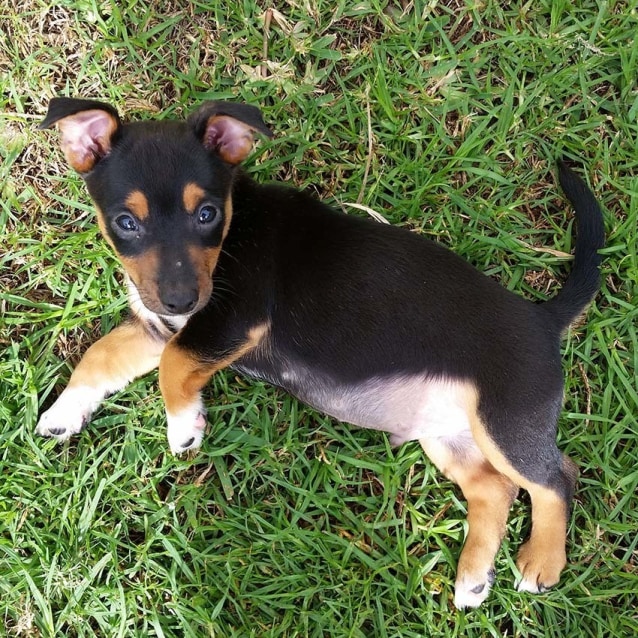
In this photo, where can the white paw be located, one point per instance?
(472, 594)
(69, 414)
(185, 430)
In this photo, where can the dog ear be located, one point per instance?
(227, 128)
(87, 129)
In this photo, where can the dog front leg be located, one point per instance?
(127, 352)
(183, 372)
(181, 379)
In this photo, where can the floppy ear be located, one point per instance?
(87, 129)
(227, 128)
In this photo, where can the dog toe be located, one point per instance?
(471, 592)
(540, 567)
(185, 431)
(68, 415)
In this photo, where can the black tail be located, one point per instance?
(584, 280)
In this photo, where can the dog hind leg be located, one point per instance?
(549, 477)
(542, 558)
(489, 496)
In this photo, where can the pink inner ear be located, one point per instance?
(86, 137)
(232, 139)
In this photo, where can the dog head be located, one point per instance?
(162, 190)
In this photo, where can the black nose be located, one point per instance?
(179, 301)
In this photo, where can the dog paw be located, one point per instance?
(472, 591)
(185, 430)
(68, 415)
(540, 567)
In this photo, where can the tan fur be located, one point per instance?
(192, 196)
(102, 226)
(489, 496)
(182, 375)
(127, 352)
(142, 270)
(228, 215)
(204, 261)
(137, 203)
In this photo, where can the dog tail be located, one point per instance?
(584, 280)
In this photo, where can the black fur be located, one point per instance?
(60, 107)
(350, 299)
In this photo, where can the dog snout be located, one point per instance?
(179, 300)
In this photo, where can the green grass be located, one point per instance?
(445, 117)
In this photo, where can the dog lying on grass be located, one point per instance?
(369, 323)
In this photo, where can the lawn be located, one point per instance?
(445, 117)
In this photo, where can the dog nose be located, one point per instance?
(179, 301)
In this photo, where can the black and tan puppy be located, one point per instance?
(369, 323)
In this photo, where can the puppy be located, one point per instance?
(369, 323)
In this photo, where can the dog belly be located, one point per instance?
(407, 407)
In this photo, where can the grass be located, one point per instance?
(445, 117)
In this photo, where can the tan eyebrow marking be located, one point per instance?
(192, 196)
(137, 203)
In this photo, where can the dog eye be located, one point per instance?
(127, 223)
(208, 214)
